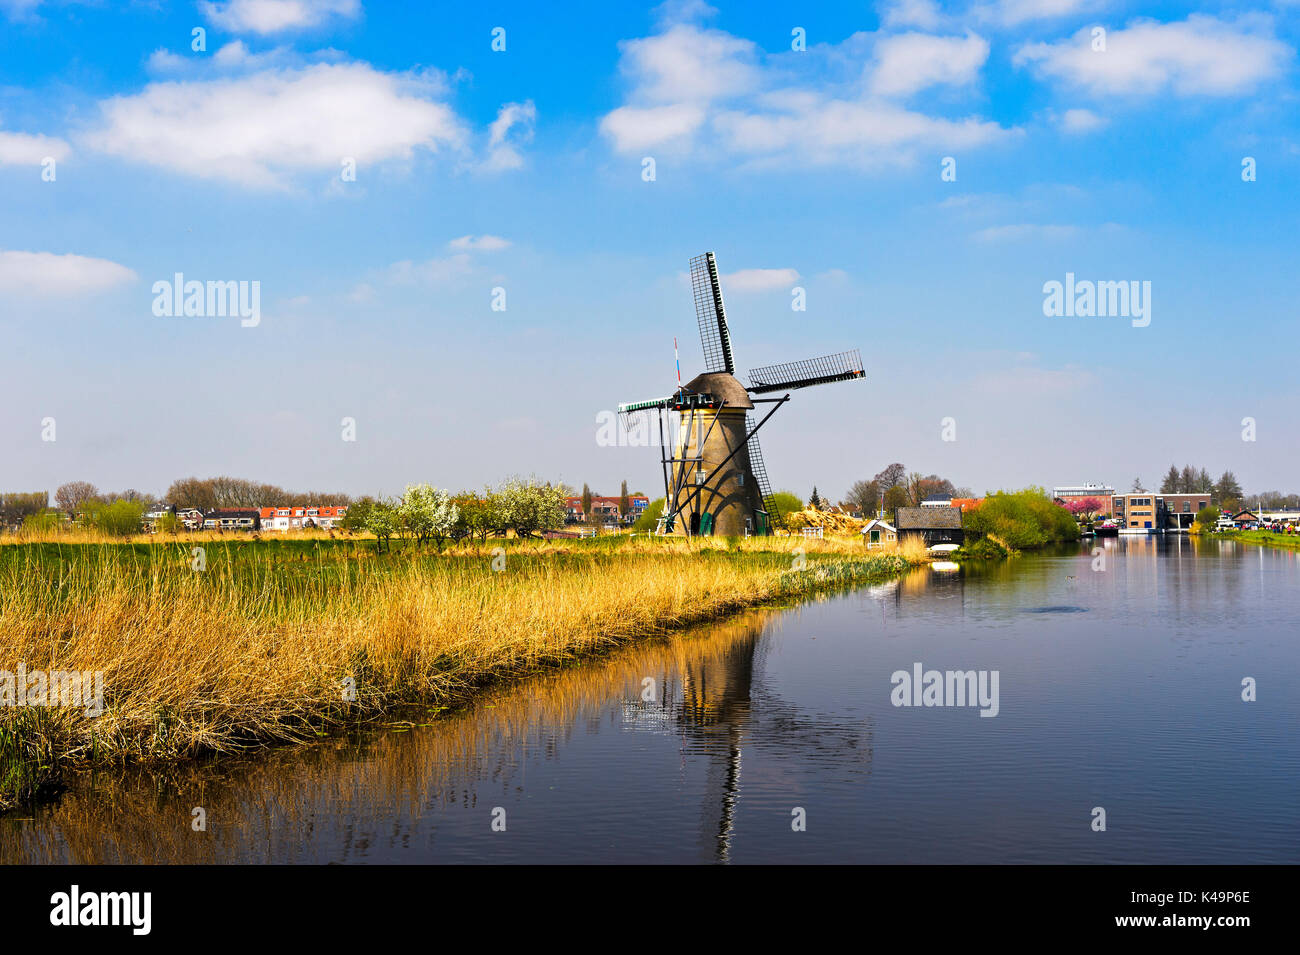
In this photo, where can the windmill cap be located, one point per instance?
(723, 386)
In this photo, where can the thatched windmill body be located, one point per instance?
(715, 481)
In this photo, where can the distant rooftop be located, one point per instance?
(927, 518)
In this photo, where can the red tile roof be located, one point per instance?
(332, 512)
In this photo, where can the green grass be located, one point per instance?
(1266, 538)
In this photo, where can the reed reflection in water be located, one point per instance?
(422, 789)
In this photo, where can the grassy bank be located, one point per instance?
(275, 641)
(1264, 538)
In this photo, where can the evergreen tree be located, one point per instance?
(1227, 492)
(1170, 484)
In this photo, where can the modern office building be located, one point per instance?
(1104, 494)
(1146, 510)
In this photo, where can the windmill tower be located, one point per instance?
(715, 481)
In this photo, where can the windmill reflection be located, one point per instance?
(380, 791)
(719, 706)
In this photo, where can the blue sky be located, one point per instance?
(522, 170)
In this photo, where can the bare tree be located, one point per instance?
(865, 495)
(72, 495)
(225, 491)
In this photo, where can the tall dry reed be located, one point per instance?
(265, 646)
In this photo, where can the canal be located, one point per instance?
(774, 737)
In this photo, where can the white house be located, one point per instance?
(878, 533)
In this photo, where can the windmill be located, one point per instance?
(715, 481)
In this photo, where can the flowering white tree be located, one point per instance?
(427, 513)
(528, 507)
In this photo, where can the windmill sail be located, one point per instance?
(759, 471)
(628, 407)
(711, 315)
(844, 366)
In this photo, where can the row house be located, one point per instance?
(231, 519)
(191, 517)
(605, 508)
(294, 518)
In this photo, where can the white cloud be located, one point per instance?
(1082, 121)
(448, 271)
(502, 143)
(912, 13)
(689, 64)
(165, 61)
(21, 149)
(236, 55)
(255, 129)
(680, 11)
(430, 271)
(1015, 12)
(46, 274)
(275, 16)
(929, 15)
(849, 131)
(759, 280)
(913, 61)
(639, 127)
(696, 89)
(479, 243)
(1201, 55)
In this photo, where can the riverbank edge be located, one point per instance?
(32, 767)
(1260, 538)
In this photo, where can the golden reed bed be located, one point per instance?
(264, 646)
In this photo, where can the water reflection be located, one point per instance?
(388, 788)
(1120, 662)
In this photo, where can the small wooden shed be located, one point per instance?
(935, 525)
(878, 533)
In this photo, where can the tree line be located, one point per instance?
(896, 487)
(210, 493)
(1225, 492)
(526, 507)
(206, 494)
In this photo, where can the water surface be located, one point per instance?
(1119, 687)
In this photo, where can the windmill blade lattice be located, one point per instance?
(759, 470)
(711, 315)
(842, 366)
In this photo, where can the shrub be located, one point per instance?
(1206, 518)
(785, 503)
(120, 519)
(1021, 519)
(45, 521)
(983, 549)
(645, 524)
